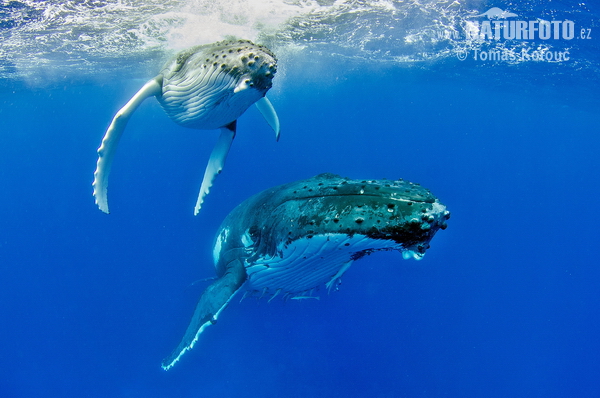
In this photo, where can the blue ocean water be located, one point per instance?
(505, 303)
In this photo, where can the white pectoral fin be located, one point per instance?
(107, 149)
(211, 303)
(216, 162)
(266, 109)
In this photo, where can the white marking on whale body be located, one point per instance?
(219, 244)
(246, 239)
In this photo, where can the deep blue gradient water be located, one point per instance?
(505, 303)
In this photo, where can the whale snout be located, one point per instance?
(260, 67)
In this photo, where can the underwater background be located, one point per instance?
(505, 302)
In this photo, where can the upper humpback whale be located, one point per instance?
(204, 87)
(289, 240)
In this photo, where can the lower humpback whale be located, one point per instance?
(205, 87)
(289, 240)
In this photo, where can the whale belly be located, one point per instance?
(307, 263)
(206, 99)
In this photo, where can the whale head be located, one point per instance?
(328, 220)
(210, 86)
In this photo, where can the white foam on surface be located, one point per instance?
(45, 39)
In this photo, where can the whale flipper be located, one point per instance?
(216, 162)
(107, 149)
(266, 109)
(211, 303)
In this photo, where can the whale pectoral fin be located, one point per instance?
(211, 303)
(216, 162)
(107, 149)
(335, 278)
(266, 109)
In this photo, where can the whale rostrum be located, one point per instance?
(205, 87)
(290, 240)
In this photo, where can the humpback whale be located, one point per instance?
(290, 240)
(204, 87)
